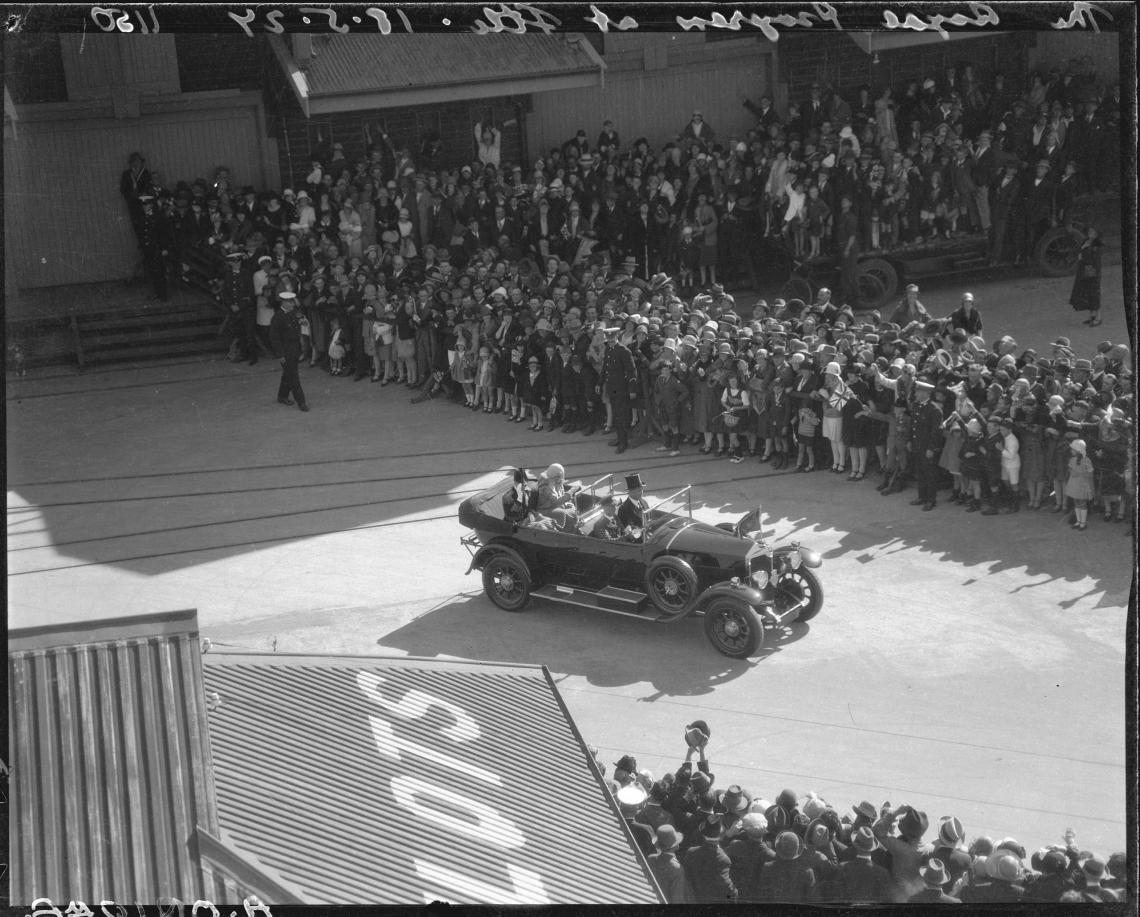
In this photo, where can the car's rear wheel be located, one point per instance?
(733, 627)
(671, 584)
(799, 584)
(1057, 251)
(507, 582)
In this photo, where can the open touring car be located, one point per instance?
(670, 569)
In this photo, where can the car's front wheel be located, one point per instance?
(733, 627)
(796, 585)
(507, 582)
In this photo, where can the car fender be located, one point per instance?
(479, 560)
(809, 557)
(744, 593)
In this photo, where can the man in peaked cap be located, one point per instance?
(237, 296)
(619, 380)
(285, 336)
(926, 444)
(630, 799)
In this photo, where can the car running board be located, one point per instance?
(611, 599)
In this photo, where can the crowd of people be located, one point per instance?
(711, 844)
(562, 296)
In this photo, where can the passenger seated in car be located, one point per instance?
(631, 513)
(521, 501)
(606, 526)
(555, 501)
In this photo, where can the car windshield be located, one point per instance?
(664, 508)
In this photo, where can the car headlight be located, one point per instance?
(760, 578)
(794, 560)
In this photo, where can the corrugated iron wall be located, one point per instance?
(69, 224)
(655, 104)
(109, 772)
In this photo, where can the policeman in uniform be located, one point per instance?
(631, 513)
(619, 376)
(285, 335)
(237, 297)
(926, 444)
(154, 240)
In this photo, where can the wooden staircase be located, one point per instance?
(157, 331)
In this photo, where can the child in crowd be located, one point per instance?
(1034, 473)
(1010, 466)
(817, 215)
(805, 435)
(898, 448)
(670, 397)
(992, 487)
(781, 419)
(1079, 485)
(485, 380)
(972, 465)
(336, 349)
(463, 372)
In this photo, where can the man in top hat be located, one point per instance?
(708, 868)
(667, 869)
(631, 513)
(859, 880)
(935, 877)
(237, 297)
(926, 444)
(285, 336)
(619, 380)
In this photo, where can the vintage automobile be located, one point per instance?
(672, 568)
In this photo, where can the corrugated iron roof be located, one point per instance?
(392, 781)
(362, 64)
(110, 771)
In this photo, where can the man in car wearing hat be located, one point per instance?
(285, 336)
(618, 381)
(631, 513)
(926, 444)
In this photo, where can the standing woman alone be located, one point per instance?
(1086, 285)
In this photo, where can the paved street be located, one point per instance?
(969, 666)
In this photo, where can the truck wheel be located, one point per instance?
(507, 582)
(878, 282)
(1056, 252)
(671, 584)
(733, 627)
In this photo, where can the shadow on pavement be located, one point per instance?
(607, 650)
